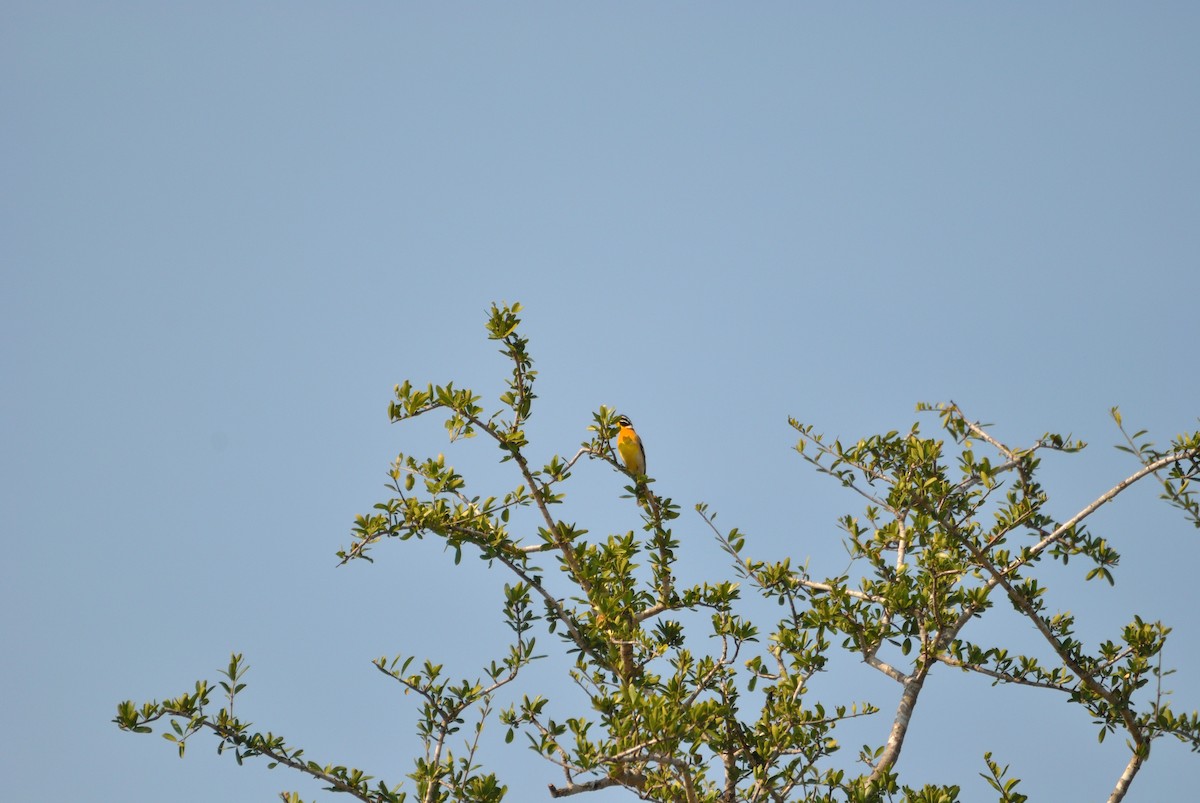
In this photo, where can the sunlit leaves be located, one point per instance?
(996, 778)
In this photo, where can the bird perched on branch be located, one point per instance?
(629, 446)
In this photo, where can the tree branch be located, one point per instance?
(587, 786)
(1001, 676)
(895, 742)
(1131, 769)
(1102, 500)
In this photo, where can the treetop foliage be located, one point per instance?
(691, 695)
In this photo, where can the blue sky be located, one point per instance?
(229, 229)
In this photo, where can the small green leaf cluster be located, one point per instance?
(187, 715)
(1181, 464)
(996, 778)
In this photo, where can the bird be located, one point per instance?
(629, 446)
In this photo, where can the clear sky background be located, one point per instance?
(229, 228)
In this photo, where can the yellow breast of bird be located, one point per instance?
(629, 445)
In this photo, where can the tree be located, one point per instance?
(952, 526)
